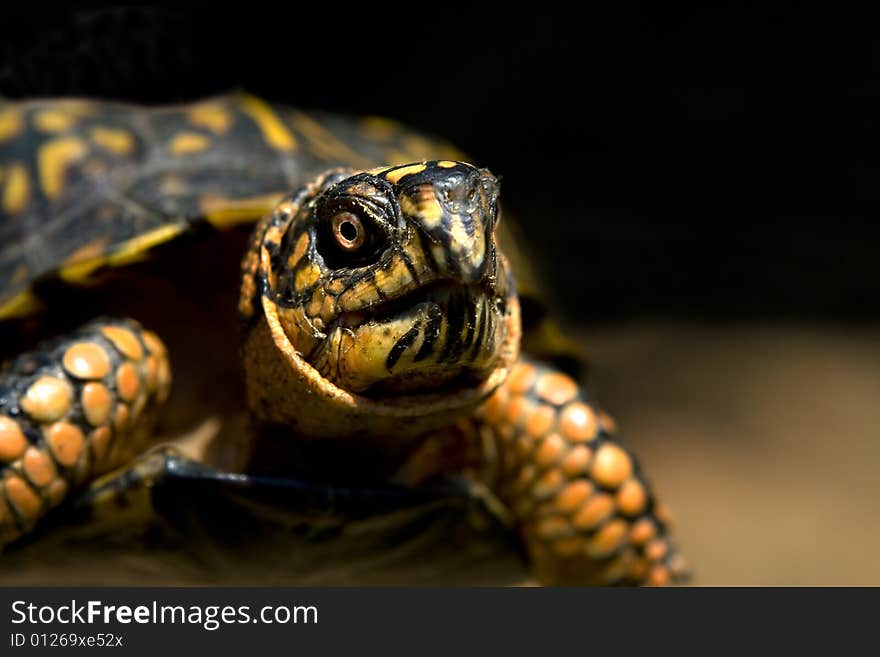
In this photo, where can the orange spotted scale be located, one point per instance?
(56, 416)
(589, 512)
(358, 342)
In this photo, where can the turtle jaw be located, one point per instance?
(439, 337)
(284, 389)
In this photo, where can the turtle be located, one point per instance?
(343, 292)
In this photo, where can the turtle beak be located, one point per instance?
(458, 214)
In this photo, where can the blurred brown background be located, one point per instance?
(765, 439)
(700, 184)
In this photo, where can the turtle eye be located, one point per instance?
(349, 231)
(348, 236)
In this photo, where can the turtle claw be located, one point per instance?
(124, 486)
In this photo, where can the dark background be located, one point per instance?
(686, 162)
(700, 184)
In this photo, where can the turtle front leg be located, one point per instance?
(585, 511)
(71, 410)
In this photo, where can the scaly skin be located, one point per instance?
(71, 410)
(579, 499)
(550, 462)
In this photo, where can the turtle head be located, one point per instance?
(389, 283)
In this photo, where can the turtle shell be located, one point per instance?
(89, 186)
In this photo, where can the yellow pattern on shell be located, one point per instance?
(324, 143)
(114, 140)
(17, 190)
(127, 252)
(20, 305)
(52, 121)
(136, 248)
(53, 159)
(396, 157)
(187, 143)
(274, 131)
(93, 249)
(11, 124)
(419, 147)
(378, 127)
(215, 118)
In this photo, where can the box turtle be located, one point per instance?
(356, 342)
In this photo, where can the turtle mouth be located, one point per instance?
(441, 293)
(442, 335)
